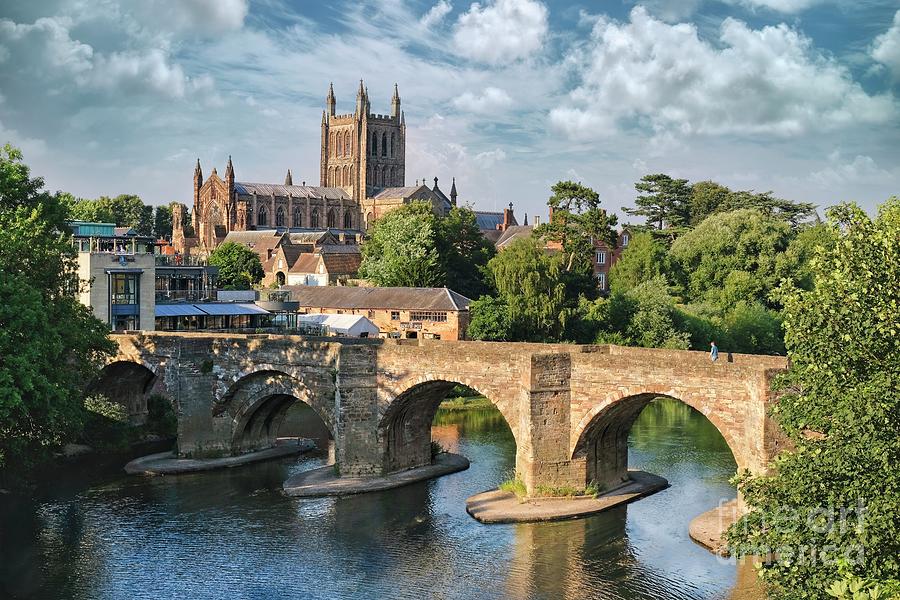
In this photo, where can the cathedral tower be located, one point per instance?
(363, 152)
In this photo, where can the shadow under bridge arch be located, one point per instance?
(127, 383)
(258, 403)
(404, 430)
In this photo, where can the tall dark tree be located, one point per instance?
(239, 266)
(664, 202)
(50, 344)
(162, 222)
(576, 220)
(464, 252)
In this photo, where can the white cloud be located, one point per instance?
(783, 6)
(492, 100)
(886, 48)
(501, 31)
(436, 14)
(45, 49)
(204, 17)
(489, 158)
(30, 147)
(861, 170)
(661, 77)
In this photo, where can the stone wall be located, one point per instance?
(569, 407)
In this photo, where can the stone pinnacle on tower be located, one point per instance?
(361, 100)
(229, 169)
(330, 101)
(288, 180)
(395, 103)
(453, 192)
(198, 173)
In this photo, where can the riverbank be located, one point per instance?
(466, 403)
(709, 529)
(167, 463)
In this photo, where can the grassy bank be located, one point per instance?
(466, 403)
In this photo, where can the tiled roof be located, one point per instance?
(488, 220)
(399, 192)
(252, 237)
(399, 298)
(306, 262)
(291, 253)
(342, 263)
(338, 249)
(512, 233)
(244, 188)
(311, 237)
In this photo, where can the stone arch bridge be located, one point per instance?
(569, 407)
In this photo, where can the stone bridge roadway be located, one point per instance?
(569, 407)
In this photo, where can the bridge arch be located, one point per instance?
(126, 382)
(404, 428)
(601, 436)
(257, 403)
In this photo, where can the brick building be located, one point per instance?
(430, 313)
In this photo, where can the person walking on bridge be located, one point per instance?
(713, 352)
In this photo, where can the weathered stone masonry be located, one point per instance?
(569, 407)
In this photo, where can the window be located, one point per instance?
(601, 280)
(279, 217)
(348, 220)
(262, 217)
(395, 315)
(331, 219)
(384, 144)
(123, 288)
(625, 238)
(428, 315)
(298, 218)
(314, 219)
(601, 257)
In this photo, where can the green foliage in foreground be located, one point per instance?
(49, 343)
(239, 266)
(834, 499)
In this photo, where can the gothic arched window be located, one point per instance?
(331, 219)
(262, 216)
(298, 218)
(393, 144)
(384, 177)
(377, 177)
(384, 144)
(347, 180)
(314, 218)
(348, 147)
(348, 220)
(393, 176)
(374, 144)
(279, 217)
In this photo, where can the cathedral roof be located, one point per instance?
(512, 233)
(400, 192)
(488, 220)
(244, 188)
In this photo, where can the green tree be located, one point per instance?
(402, 249)
(576, 221)
(531, 283)
(125, 210)
(643, 259)
(49, 343)
(464, 252)
(752, 328)
(490, 320)
(731, 257)
(663, 202)
(708, 198)
(239, 266)
(795, 262)
(840, 408)
(646, 316)
(162, 222)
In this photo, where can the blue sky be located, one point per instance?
(801, 97)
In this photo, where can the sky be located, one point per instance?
(800, 97)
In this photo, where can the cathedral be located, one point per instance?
(362, 176)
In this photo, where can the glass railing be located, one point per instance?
(185, 295)
(170, 260)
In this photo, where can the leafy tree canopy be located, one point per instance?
(709, 198)
(402, 249)
(643, 259)
(840, 407)
(464, 252)
(125, 210)
(490, 320)
(239, 266)
(731, 257)
(49, 343)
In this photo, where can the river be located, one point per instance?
(233, 534)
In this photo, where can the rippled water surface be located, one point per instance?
(233, 534)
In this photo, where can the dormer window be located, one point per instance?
(625, 239)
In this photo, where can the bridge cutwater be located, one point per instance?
(570, 407)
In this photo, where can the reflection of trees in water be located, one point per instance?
(666, 420)
(481, 425)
